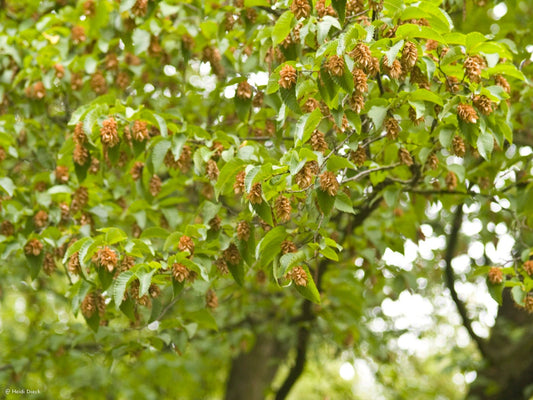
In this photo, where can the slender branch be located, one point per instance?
(451, 246)
(362, 174)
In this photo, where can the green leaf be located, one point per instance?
(393, 52)
(337, 162)
(126, 5)
(141, 40)
(237, 271)
(377, 114)
(155, 232)
(473, 39)
(120, 285)
(329, 253)
(159, 151)
(325, 201)
(289, 98)
(113, 235)
(264, 211)
(518, 295)
(7, 184)
(324, 27)
(506, 69)
(203, 318)
(426, 95)
(340, 7)
(310, 292)
(306, 125)
(344, 203)
(270, 246)
(410, 31)
(282, 27)
(226, 177)
(35, 263)
(485, 144)
(76, 246)
(288, 261)
(145, 279)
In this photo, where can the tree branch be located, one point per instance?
(450, 279)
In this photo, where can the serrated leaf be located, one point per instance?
(141, 40)
(426, 95)
(506, 69)
(7, 184)
(113, 235)
(119, 287)
(306, 125)
(288, 96)
(145, 279)
(282, 27)
(264, 211)
(324, 27)
(159, 151)
(393, 52)
(270, 246)
(340, 7)
(345, 81)
(310, 292)
(76, 246)
(227, 175)
(377, 114)
(485, 144)
(344, 203)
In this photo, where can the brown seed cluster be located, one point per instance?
(473, 67)
(136, 170)
(109, 132)
(299, 276)
(301, 8)
(283, 208)
(357, 102)
(139, 8)
(256, 194)
(77, 34)
(392, 127)
(467, 113)
(405, 157)
(211, 299)
(362, 55)
(304, 178)
(288, 246)
(451, 180)
(33, 247)
(459, 147)
(528, 267)
(244, 90)
(49, 264)
(93, 303)
(107, 258)
(74, 266)
(483, 104)
(180, 272)
(98, 83)
(335, 65)
(360, 80)
(140, 131)
(232, 255)
(186, 244)
(395, 70)
(409, 56)
(243, 230)
(211, 170)
(61, 173)
(502, 82)
(329, 183)
(80, 154)
(222, 266)
(358, 156)
(318, 141)
(155, 185)
(238, 185)
(287, 76)
(7, 228)
(495, 275)
(40, 219)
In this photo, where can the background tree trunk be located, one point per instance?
(252, 373)
(508, 369)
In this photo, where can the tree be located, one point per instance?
(201, 196)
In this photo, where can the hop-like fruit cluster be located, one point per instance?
(335, 65)
(107, 258)
(139, 8)
(359, 80)
(184, 160)
(414, 118)
(61, 173)
(49, 264)
(76, 81)
(238, 185)
(409, 56)
(451, 180)
(186, 244)
(467, 113)
(180, 272)
(301, 8)
(362, 55)
(310, 105)
(483, 104)
(459, 147)
(357, 102)
(244, 90)
(77, 34)
(155, 185)
(243, 230)
(98, 83)
(288, 246)
(256, 194)
(405, 157)
(40, 219)
(232, 255)
(80, 154)
(222, 266)
(392, 127)
(7, 228)
(299, 276)
(140, 131)
(109, 132)
(283, 208)
(304, 178)
(329, 183)
(93, 303)
(502, 82)
(473, 67)
(74, 266)
(287, 76)
(215, 223)
(211, 299)
(358, 156)
(211, 170)
(495, 275)
(318, 141)
(394, 70)
(136, 170)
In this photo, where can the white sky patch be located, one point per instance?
(347, 371)
(258, 79)
(499, 11)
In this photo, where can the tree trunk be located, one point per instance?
(508, 369)
(252, 373)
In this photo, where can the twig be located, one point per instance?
(362, 174)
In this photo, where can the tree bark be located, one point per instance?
(508, 368)
(252, 373)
